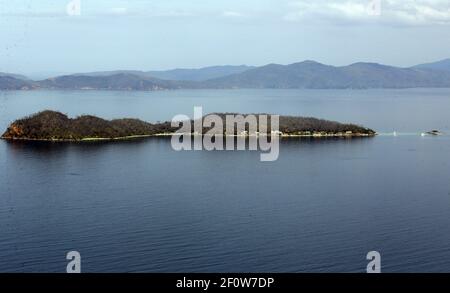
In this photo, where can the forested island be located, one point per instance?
(56, 126)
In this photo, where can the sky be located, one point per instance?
(39, 37)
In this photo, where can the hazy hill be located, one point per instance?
(201, 74)
(179, 74)
(439, 65)
(108, 73)
(16, 76)
(9, 82)
(297, 75)
(119, 81)
(313, 75)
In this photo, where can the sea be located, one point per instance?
(141, 206)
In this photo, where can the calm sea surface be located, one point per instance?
(139, 206)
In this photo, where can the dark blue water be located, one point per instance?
(407, 110)
(139, 206)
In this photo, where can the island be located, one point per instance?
(55, 126)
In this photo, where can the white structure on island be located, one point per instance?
(276, 132)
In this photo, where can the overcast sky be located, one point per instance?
(40, 36)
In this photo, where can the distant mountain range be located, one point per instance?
(306, 74)
(313, 75)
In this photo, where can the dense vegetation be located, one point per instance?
(51, 125)
(55, 125)
(301, 126)
(289, 124)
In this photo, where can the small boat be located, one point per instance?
(395, 133)
(434, 132)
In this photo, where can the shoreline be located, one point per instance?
(133, 137)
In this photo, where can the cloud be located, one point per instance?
(116, 8)
(43, 14)
(403, 12)
(118, 11)
(149, 12)
(232, 14)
